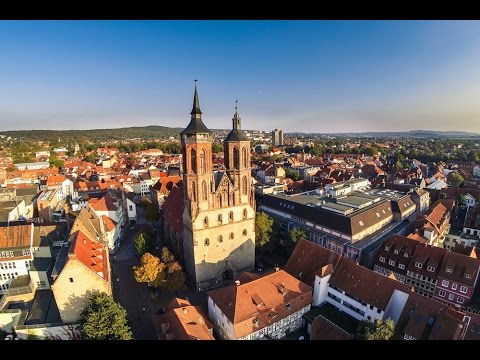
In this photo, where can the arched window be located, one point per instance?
(244, 214)
(220, 238)
(244, 185)
(220, 218)
(204, 190)
(230, 216)
(232, 235)
(219, 197)
(236, 158)
(244, 232)
(194, 191)
(207, 242)
(203, 165)
(205, 221)
(244, 157)
(193, 161)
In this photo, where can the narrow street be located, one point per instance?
(133, 296)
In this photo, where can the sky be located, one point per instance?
(307, 76)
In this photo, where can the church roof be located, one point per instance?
(196, 124)
(236, 135)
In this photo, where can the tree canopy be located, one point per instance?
(151, 212)
(263, 229)
(456, 179)
(379, 330)
(104, 319)
(150, 270)
(143, 243)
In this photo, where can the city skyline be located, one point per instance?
(305, 76)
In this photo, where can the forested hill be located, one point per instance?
(97, 135)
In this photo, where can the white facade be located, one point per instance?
(275, 330)
(66, 189)
(476, 171)
(131, 211)
(33, 166)
(11, 269)
(345, 187)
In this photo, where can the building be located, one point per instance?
(33, 166)
(182, 321)
(421, 198)
(277, 137)
(81, 270)
(354, 224)
(255, 307)
(218, 207)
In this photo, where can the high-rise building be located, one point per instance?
(277, 137)
(218, 206)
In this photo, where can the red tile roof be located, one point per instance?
(15, 236)
(165, 184)
(106, 203)
(108, 223)
(90, 253)
(308, 259)
(259, 303)
(323, 329)
(55, 180)
(173, 208)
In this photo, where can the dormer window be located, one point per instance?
(405, 255)
(430, 268)
(468, 276)
(382, 259)
(395, 252)
(448, 270)
(391, 262)
(387, 248)
(401, 266)
(418, 265)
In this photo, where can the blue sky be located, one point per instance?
(311, 76)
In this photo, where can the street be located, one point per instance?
(133, 296)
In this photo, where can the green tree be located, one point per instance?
(263, 229)
(143, 244)
(217, 148)
(295, 234)
(104, 319)
(462, 200)
(379, 330)
(456, 179)
(150, 270)
(90, 158)
(291, 174)
(151, 213)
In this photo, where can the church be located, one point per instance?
(209, 218)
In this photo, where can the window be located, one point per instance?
(391, 262)
(232, 236)
(71, 280)
(451, 297)
(220, 238)
(244, 157)
(454, 286)
(130, 208)
(244, 232)
(448, 270)
(236, 158)
(207, 241)
(382, 259)
(445, 283)
(203, 167)
(289, 306)
(401, 266)
(430, 268)
(379, 311)
(387, 248)
(193, 161)
(405, 255)
(244, 214)
(468, 276)
(361, 224)
(460, 299)
(230, 216)
(220, 218)
(463, 289)
(205, 221)
(418, 265)
(244, 185)
(204, 190)
(442, 293)
(395, 252)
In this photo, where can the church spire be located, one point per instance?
(196, 104)
(236, 118)
(196, 125)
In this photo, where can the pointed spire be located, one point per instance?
(236, 118)
(196, 104)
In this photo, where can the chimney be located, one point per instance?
(237, 282)
(277, 269)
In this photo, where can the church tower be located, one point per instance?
(218, 206)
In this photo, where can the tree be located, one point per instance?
(456, 179)
(151, 213)
(379, 330)
(217, 148)
(55, 161)
(462, 200)
(90, 158)
(143, 244)
(174, 278)
(291, 174)
(150, 270)
(263, 229)
(295, 234)
(104, 319)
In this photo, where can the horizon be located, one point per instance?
(321, 76)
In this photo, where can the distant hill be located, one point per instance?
(144, 132)
(407, 134)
